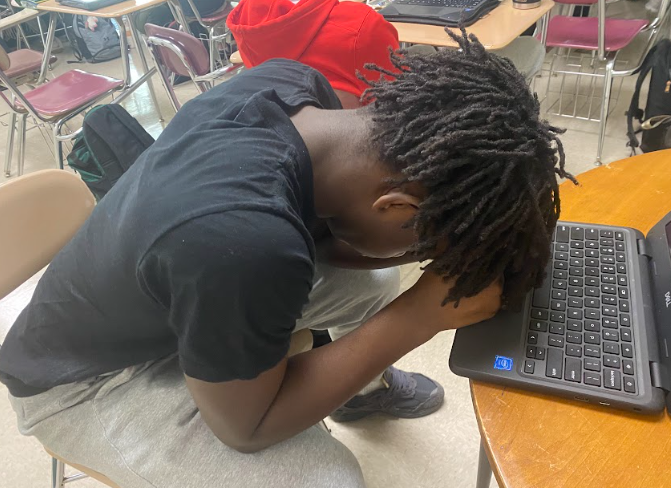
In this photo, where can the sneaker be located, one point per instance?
(406, 395)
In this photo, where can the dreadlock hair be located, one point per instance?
(464, 124)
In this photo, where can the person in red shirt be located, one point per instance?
(336, 38)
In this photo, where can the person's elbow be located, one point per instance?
(242, 444)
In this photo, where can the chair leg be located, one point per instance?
(57, 473)
(58, 145)
(22, 141)
(9, 150)
(605, 102)
(210, 43)
(484, 469)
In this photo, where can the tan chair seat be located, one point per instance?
(89, 472)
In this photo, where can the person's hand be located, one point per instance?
(424, 300)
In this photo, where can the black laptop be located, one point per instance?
(599, 328)
(449, 13)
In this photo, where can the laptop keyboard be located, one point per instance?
(441, 3)
(580, 321)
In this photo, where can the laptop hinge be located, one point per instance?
(642, 248)
(660, 376)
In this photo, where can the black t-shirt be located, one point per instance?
(201, 248)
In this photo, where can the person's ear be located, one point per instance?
(397, 200)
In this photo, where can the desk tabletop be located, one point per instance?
(495, 30)
(535, 440)
(18, 18)
(112, 12)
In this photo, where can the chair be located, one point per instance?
(54, 102)
(183, 54)
(44, 210)
(605, 38)
(211, 23)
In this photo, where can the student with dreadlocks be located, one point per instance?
(154, 349)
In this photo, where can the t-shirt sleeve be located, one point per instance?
(234, 284)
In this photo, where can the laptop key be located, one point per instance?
(625, 320)
(577, 245)
(576, 272)
(573, 281)
(558, 295)
(592, 326)
(531, 352)
(573, 350)
(532, 338)
(556, 341)
(592, 338)
(624, 306)
(558, 284)
(592, 245)
(577, 253)
(622, 268)
(627, 366)
(620, 257)
(542, 295)
(561, 256)
(630, 385)
(611, 361)
(592, 313)
(574, 325)
(574, 313)
(559, 274)
(592, 364)
(609, 323)
(608, 289)
(578, 233)
(606, 233)
(591, 253)
(574, 338)
(538, 325)
(592, 281)
(611, 347)
(612, 379)
(573, 370)
(561, 246)
(592, 262)
(560, 265)
(557, 329)
(619, 236)
(619, 246)
(562, 233)
(627, 351)
(608, 279)
(621, 280)
(557, 317)
(529, 366)
(539, 314)
(607, 260)
(625, 335)
(593, 379)
(575, 292)
(593, 351)
(575, 302)
(623, 292)
(554, 363)
(576, 262)
(558, 305)
(610, 335)
(609, 311)
(591, 303)
(540, 353)
(591, 271)
(607, 268)
(609, 300)
(608, 251)
(592, 234)
(591, 291)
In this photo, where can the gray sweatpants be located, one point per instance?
(140, 426)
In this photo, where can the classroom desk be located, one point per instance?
(535, 441)
(495, 30)
(117, 12)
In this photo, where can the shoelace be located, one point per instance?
(401, 385)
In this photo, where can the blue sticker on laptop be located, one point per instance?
(504, 363)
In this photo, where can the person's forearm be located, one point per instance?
(319, 381)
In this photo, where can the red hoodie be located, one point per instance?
(336, 38)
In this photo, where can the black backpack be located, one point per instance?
(109, 143)
(656, 120)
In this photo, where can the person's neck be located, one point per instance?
(335, 140)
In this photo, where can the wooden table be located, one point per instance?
(495, 31)
(536, 441)
(118, 12)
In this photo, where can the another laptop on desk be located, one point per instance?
(598, 330)
(449, 13)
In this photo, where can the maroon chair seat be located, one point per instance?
(69, 92)
(192, 48)
(582, 32)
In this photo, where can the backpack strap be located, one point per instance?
(634, 109)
